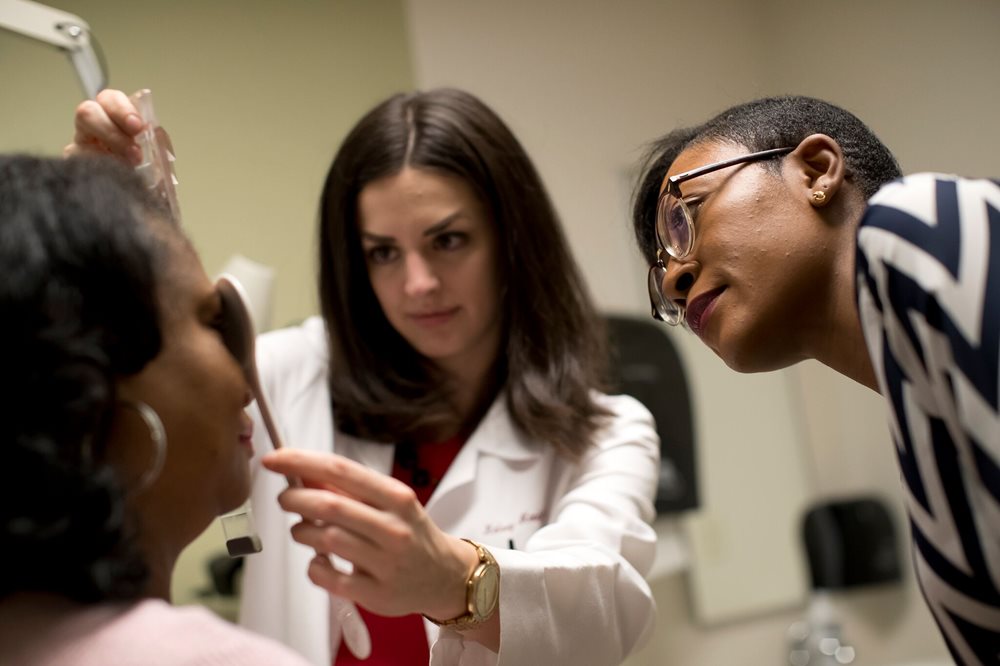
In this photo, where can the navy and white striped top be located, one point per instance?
(928, 289)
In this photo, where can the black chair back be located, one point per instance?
(646, 365)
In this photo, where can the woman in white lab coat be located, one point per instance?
(488, 505)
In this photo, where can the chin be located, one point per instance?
(750, 360)
(751, 367)
(234, 494)
(436, 350)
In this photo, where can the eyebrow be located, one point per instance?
(430, 231)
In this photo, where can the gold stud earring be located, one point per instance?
(819, 196)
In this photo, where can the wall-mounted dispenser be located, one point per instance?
(646, 365)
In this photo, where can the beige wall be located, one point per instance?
(584, 85)
(922, 73)
(584, 90)
(256, 94)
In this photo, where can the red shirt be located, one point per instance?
(398, 641)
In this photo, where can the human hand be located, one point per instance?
(403, 563)
(107, 124)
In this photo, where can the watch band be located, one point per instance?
(486, 573)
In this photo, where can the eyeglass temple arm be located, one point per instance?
(762, 155)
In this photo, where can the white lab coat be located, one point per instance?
(572, 588)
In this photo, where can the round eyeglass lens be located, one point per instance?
(673, 226)
(669, 311)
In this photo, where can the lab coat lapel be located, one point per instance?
(495, 436)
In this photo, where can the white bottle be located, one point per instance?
(817, 640)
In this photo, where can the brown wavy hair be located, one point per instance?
(554, 343)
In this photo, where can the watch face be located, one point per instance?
(487, 591)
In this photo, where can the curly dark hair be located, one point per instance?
(554, 348)
(772, 122)
(79, 258)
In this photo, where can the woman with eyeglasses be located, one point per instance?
(486, 503)
(123, 432)
(780, 231)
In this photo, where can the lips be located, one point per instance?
(700, 308)
(246, 431)
(432, 317)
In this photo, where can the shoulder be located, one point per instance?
(628, 422)
(927, 232)
(308, 338)
(622, 406)
(922, 208)
(927, 261)
(155, 633)
(285, 353)
(917, 192)
(207, 639)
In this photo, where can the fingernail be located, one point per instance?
(133, 123)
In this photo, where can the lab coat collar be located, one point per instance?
(495, 436)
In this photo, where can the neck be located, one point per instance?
(842, 348)
(471, 396)
(164, 534)
(473, 378)
(838, 340)
(24, 616)
(473, 386)
(31, 622)
(161, 568)
(25, 606)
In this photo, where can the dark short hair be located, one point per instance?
(78, 309)
(772, 122)
(554, 344)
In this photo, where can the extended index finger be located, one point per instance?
(329, 469)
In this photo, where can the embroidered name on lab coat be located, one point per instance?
(526, 517)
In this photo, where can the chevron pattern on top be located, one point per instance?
(928, 289)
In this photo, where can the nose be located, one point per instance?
(678, 280)
(420, 276)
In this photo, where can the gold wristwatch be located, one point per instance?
(482, 592)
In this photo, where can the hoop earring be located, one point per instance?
(159, 437)
(819, 196)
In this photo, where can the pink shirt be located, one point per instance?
(150, 633)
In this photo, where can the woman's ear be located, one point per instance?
(820, 168)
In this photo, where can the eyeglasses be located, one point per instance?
(675, 231)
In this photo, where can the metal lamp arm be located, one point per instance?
(66, 31)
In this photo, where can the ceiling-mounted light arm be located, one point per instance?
(58, 28)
